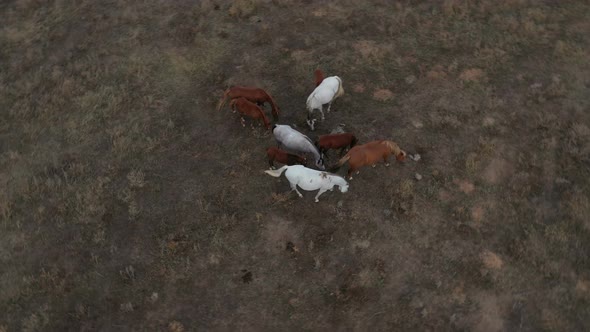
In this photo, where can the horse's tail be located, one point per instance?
(340, 88)
(223, 99)
(340, 163)
(276, 172)
(273, 107)
(265, 119)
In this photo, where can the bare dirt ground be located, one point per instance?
(129, 203)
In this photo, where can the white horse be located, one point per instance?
(325, 93)
(296, 141)
(310, 179)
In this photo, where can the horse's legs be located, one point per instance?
(243, 122)
(321, 191)
(294, 187)
(271, 163)
(322, 111)
(329, 106)
(309, 119)
(385, 160)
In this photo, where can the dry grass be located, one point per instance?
(129, 203)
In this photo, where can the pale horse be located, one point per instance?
(310, 179)
(325, 93)
(296, 141)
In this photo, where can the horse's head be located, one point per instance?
(344, 187)
(400, 154)
(320, 164)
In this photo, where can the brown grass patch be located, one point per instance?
(477, 213)
(473, 75)
(465, 186)
(175, 326)
(383, 95)
(579, 208)
(436, 73)
(491, 260)
(359, 88)
(371, 49)
(243, 8)
(497, 171)
(490, 315)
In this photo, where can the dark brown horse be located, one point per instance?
(369, 154)
(256, 95)
(248, 108)
(276, 154)
(336, 141)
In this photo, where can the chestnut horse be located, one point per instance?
(336, 141)
(369, 154)
(283, 157)
(256, 95)
(319, 76)
(248, 108)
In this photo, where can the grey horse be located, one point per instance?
(296, 141)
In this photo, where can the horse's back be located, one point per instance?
(332, 81)
(325, 95)
(306, 178)
(338, 139)
(365, 154)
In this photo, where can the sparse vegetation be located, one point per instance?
(129, 203)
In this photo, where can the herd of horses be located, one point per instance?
(294, 146)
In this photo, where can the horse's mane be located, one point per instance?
(337, 176)
(308, 139)
(392, 145)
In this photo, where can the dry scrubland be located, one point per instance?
(129, 203)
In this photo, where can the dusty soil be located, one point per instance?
(129, 203)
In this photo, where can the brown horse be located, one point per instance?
(248, 108)
(283, 157)
(336, 141)
(369, 154)
(319, 76)
(256, 95)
